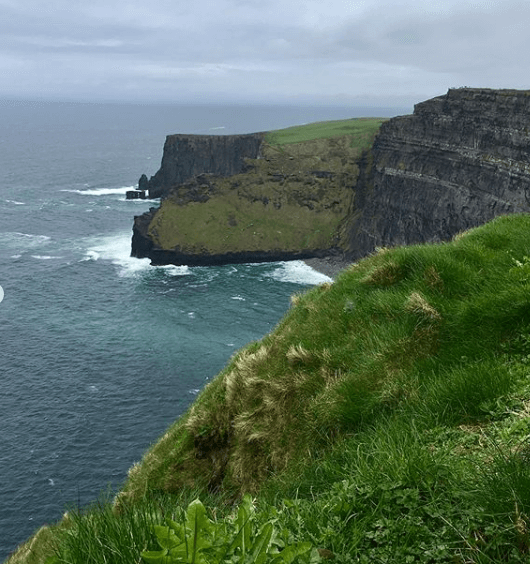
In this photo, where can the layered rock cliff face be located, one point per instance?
(458, 161)
(186, 156)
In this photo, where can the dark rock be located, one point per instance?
(143, 183)
(135, 195)
(186, 156)
(161, 257)
(142, 244)
(459, 161)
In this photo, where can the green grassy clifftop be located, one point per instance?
(385, 419)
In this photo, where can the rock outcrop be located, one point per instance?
(135, 195)
(460, 160)
(289, 204)
(186, 156)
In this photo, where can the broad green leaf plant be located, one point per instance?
(199, 540)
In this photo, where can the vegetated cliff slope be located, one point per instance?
(388, 328)
(371, 400)
(458, 161)
(288, 203)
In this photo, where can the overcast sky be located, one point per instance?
(375, 52)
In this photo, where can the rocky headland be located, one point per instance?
(288, 203)
(458, 161)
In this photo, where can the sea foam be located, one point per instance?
(298, 272)
(117, 249)
(101, 191)
(45, 257)
(16, 240)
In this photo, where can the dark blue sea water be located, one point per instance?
(100, 352)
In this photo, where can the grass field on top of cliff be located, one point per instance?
(385, 419)
(362, 130)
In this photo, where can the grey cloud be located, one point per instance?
(266, 48)
(455, 42)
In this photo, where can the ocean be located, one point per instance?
(100, 352)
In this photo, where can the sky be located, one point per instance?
(328, 52)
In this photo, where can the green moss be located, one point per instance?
(229, 223)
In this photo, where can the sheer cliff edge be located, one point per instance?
(458, 161)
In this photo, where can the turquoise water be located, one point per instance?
(100, 352)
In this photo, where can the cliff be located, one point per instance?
(289, 203)
(460, 160)
(186, 156)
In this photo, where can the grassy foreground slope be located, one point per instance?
(385, 419)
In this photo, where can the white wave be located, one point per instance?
(241, 298)
(117, 249)
(298, 272)
(91, 255)
(45, 257)
(101, 191)
(174, 270)
(17, 240)
(16, 203)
